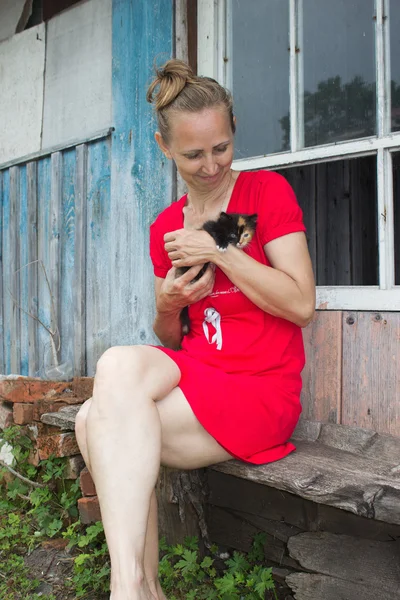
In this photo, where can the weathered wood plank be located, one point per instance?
(322, 374)
(371, 380)
(98, 262)
(302, 179)
(307, 586)
(140, 177)
(234, 494)
(7, 301)
(333, 224)
(22, 274)
(362, 485)
(396, 195)
(33, 351)
(229, 529)
(2, 365)
(44, 234)
(172, 525)
(363, 562)
(13, 266)
(55, 251)
(363, 224)
(80, 265)
(68, 284)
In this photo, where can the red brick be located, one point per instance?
(6, 415)
(87, 484)
(45, 406)
(63, 444)
(27, 389)
(37, 429)
(89, 509)
(75, 464)
(23, 413)
(83, 387)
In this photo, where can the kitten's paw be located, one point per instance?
(221, 249)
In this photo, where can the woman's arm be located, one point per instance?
(286, 289)
(174, 293)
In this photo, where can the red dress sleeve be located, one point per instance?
(158, 255)
(278, 210)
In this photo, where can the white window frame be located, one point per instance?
(215, 60)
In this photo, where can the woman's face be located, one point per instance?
(201, 145)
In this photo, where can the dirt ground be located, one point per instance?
(52, 565)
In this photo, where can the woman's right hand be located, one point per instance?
(177, 292)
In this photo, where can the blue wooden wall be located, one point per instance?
(75, 274)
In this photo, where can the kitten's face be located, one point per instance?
(243, 233)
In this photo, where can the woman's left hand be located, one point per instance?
(188, 247)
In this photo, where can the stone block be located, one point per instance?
(75, 464)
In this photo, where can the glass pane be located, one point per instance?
(340, 208)
(396, 198)
(339, 70)
(260, 75)
(395, 63)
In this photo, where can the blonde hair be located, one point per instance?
(180, 90)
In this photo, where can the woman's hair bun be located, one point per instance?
(170, 79)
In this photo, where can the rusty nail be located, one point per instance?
(350, 320)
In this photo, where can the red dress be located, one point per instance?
(240, 366)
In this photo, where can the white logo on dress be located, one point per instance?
(212, 317)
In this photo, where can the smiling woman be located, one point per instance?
(231, 386)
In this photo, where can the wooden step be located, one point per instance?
(350, 468)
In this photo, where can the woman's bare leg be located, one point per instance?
(124, 447)
(151, 550)
(185, 445)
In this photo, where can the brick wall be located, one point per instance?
(24, 401)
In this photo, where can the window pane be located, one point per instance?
(339, 204)
(396, 198)
(395, 63)
(260, 75)
(339, 70)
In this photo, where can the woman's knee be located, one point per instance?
(139, 368)
(81, 416)
(121, 361)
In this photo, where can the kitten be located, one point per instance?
(233, 228)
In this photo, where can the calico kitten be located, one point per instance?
(233, 228)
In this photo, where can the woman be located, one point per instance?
(233, 389)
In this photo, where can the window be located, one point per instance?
(339, 202)
(316, 88)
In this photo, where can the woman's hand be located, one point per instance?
(187, 247)
(177, 292)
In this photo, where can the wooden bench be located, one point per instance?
(330, 511)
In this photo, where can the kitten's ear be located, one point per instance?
(253, 218)
(225, 217)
